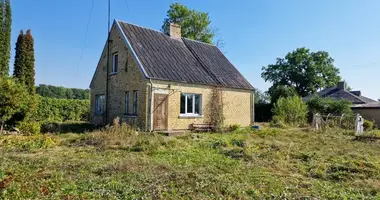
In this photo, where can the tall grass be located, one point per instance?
(120, 163)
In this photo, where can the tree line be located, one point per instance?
(60, 92)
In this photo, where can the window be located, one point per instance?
(115, 61)
(135, 102)
(191, 104)
(126, 63)
(99, 104)
(127, 102)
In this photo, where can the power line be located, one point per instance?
(85, 36)
(358, 67)
(126, 4)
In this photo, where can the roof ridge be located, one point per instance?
(357, 97)
(163, 32)
(200, 42)
(140, 26)
(180, 60)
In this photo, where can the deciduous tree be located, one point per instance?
(194, 24)
(303, 70)
(261, 97)
(279, 91)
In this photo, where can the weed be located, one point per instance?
(265, 164)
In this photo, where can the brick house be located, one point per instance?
(165, 82)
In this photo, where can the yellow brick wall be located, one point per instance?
(237, 104)
(128, 78)
(369, 114)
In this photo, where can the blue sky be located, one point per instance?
(255, 33)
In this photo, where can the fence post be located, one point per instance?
(359, 124)
(317, 119)
(340, 121)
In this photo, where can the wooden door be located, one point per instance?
(160, 112)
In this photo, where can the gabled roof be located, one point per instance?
(342, 94)
(182, 60)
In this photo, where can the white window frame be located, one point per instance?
(192, 113)
(115, 65)
(135, 101)
(99, 104)
(127, 99)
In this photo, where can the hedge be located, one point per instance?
(328, 105)
(61, 110)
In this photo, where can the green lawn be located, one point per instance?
(266, 164)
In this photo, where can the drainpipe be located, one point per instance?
(150, 114)
(253, 108)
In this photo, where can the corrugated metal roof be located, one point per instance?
(340, 94)
(188, 61)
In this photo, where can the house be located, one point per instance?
(368, 108)
(369, 111)
(340, 92)
(165, 82)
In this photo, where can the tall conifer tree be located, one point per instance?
(24, 60)
(29, 62)
(19, 65)
(5, 36)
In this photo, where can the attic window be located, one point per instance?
(115, 60)
(126, 62)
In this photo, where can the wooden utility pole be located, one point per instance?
(108, 61)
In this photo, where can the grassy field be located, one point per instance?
(119, 164)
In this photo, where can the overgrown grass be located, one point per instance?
(118, 163)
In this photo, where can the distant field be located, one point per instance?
(118, 164)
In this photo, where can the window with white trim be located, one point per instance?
(99, 103)
(115, 61)
(135, 102)
(127, 102)
(191, 104)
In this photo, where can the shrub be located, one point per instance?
(328, 105)
(368, 125)
(29, 127)
(15, 102)
(291, 111)
(61, 110)
(66, 127)
(277, 122)
(235, 127)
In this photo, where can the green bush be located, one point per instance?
(277, 122)
(328, 105)
(235, 127)
(61, 110)
(15, 102)
(66, 127)
(368, 125)
(290, 111)
(29, 127)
